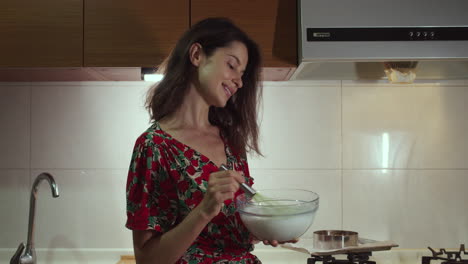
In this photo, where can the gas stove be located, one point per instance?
(351, 258)
(448, 257)
(442, 256)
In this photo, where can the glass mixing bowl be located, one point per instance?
(278, 214)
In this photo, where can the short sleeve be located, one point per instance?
(150, 191)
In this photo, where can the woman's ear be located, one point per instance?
(196, 54)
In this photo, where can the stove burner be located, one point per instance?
(452, 257)
(353, 258)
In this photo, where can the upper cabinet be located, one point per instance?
(46, 33)
(271, 23)
(137, 33)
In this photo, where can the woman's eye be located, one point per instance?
(230, 66)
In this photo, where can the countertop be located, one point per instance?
(268, 255)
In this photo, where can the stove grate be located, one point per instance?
(352, 258)
(449, 257)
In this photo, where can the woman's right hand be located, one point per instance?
(222, 186)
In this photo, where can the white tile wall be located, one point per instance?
(417, 208)
(301, 126)
(14, 206)
(421, 126)
(86, 125)
(388, 161)
(90, 212)
(15, 125)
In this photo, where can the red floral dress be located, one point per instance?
(166, 180)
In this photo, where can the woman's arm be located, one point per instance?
(151, 247)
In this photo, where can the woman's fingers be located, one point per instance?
(221, 189)
(237, 176)
(225, 181)
(222, 186)
(275, 243)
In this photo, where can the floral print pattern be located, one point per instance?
(166, 180)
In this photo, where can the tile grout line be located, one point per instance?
(30, 136)
(341, 171)
(267, 169)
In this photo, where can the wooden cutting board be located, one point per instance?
(127, 259)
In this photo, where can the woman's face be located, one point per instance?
(220, 75)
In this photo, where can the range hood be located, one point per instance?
(382, 40)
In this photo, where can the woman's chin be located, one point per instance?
(222, 102)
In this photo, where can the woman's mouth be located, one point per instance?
(228, 92)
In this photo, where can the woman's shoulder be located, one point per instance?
(152, 137)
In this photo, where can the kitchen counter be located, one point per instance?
(268, 255)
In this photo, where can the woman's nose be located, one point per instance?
(238, 82)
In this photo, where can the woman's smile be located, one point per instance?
(228, 91)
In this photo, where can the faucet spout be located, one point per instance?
(29, 255)
(50, 179)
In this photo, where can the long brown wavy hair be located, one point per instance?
(237, 121)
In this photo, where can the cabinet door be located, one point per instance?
(271, 23)
(136, 33)
(45, 33)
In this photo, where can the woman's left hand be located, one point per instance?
(274, 243)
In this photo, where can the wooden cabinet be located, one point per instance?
(271, 23)
(45, 33)
(137, 33)
(127, 259)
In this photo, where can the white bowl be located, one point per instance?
(278, 214)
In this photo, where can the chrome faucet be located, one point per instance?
(29, 255)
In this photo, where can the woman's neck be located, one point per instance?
(192, 113)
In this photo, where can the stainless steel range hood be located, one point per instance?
(360, 39)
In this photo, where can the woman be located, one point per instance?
(180, 207)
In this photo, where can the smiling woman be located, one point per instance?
(179, 205)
